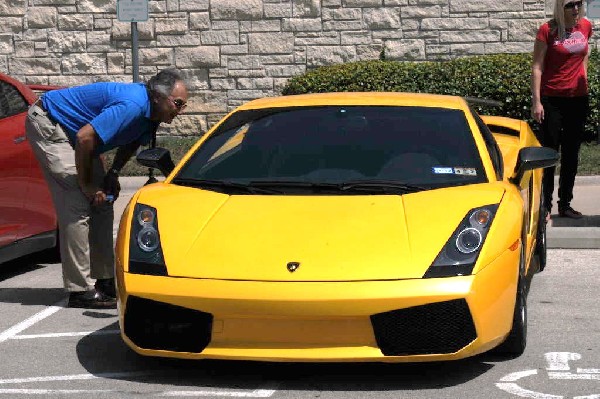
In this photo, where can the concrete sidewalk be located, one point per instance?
(561, 232)
(577, 233)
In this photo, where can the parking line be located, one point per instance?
(68, 334)
(14, 330)
(264, 392)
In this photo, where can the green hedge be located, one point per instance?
(501, 77)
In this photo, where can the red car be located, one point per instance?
(27, 217)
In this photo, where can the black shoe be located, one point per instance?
(91, 300)
(568, 212)
(106, 286)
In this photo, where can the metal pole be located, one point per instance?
(136, 78)
(134, 52)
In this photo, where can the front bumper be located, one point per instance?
(386, 321)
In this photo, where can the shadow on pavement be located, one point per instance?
(32, 296)
(28, 263)
(107, 353)
(585, 221)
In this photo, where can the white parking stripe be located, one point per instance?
(524, 393)
(264, 392)
(49, 311)
(257, 393)
(50, 391)
(74, 377)
(70, 334)
(518, 375)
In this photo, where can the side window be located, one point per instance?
(491, 145)
(11, 101)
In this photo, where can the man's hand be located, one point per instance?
(94, 195)
(111, 185)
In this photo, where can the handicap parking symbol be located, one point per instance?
(558, 368)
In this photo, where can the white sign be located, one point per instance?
(593, 9)
(132, 10)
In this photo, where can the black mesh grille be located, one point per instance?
(443, 327)
(156, 325)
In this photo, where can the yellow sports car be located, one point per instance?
(387, 227)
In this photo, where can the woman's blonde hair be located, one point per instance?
(558, 22)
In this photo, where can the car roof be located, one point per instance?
(359, 98)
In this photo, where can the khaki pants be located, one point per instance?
(85, 231)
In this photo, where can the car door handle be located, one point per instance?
(19, 139)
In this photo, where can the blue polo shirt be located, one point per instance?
(118, 112)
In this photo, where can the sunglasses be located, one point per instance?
(572, 4)
(178, 103)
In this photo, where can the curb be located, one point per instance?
(573, 237)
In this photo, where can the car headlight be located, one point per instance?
(145, 251)
(459, 254)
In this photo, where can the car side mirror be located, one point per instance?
(158, 158)
(531, 158)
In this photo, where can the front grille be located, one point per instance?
(443, 327)
(157, 325)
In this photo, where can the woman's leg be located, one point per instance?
(575, 112)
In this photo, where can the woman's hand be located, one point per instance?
(537, 112)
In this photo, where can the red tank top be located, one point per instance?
(563, 73)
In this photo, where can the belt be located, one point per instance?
(40, 104)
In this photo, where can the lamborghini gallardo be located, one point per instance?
(337, 227)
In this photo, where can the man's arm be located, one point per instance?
(86, 142)
(111, 183)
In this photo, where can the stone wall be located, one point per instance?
(232, 51)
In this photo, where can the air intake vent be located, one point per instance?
(443, 327)
(156, 325)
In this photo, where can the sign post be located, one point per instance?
(133, 11)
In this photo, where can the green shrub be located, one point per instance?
(501, 77)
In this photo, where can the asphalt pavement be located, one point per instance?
(561, 232)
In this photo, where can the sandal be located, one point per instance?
(568, 212)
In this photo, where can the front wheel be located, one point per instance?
(541, 245)
(515, 343)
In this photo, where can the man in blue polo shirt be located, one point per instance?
(68, 129)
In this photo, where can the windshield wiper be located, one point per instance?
(353, 186)
(385, 186)
(223, 186)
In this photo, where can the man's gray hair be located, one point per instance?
(164, 81)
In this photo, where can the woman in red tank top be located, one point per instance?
(559, 95)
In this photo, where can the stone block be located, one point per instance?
(382, 18)
(76, 22)
(327, 55)
(306, 8)
(237, 10)
(84, 64)
(198, 57)
(66, 42)
(271, 43)
(34, 66)
(13, 7)
(156, 56)
(405, 50)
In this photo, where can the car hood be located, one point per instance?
(329, 238)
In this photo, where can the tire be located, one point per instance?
(541, 244)
(541, 247)
(516, 341)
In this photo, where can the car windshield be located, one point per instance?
(336, 150)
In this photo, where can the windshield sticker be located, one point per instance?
(442, 171)
(465, 171)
